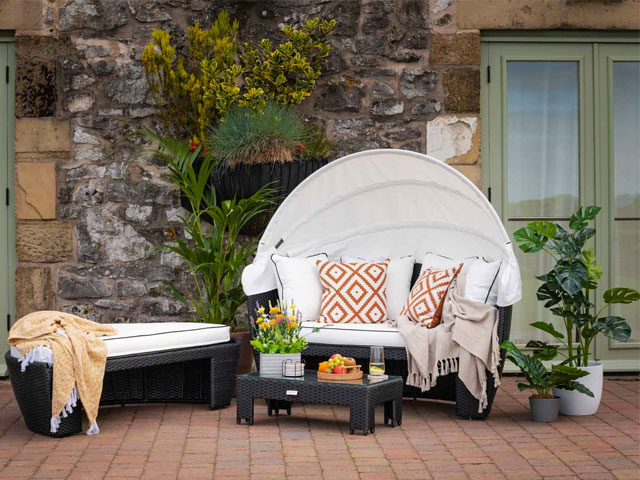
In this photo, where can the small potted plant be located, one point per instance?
(569, 292)
(544, 404)
(277, 337)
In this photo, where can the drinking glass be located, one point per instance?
(376, 361)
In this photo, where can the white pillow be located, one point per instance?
(481, 282)
(398, 285)
(440, 262)
(299, 283)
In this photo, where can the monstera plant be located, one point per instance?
(568, 290)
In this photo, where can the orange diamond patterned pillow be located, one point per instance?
(426, 299)
(353, 292)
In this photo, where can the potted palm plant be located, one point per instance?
(544, 403)
(568, 290)
(213, 253)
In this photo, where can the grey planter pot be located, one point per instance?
(271, 363)
(544, 410)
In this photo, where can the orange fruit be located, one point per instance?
(323, 366)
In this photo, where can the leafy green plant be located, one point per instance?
(198, 90)
(213, 254)
(246, 136)
(318, 145)
(567, 290)
(278, 330)
(539, 378)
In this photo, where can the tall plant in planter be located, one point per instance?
(213, 253)
(568, 290)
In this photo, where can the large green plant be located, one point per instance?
(214, 255)
(568, 289)
(199, 89)
(539, 378)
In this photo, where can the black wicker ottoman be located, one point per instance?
(190, 375)
(361, 396)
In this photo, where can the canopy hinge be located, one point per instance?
(488, 73)
(8, 322)
(7, 197)
(489, 194)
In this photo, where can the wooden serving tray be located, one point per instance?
(335, 377)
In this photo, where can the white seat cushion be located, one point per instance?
(134, 338)
(353, 334)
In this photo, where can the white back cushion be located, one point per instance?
(439, 262)
(481, 282)
(398, 285)
(299, 283)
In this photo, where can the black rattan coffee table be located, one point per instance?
(361, 395)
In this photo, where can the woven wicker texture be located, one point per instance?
(448, 387)
(194, 375)
(361, 398)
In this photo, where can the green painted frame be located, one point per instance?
(7, 181)
(596, 182)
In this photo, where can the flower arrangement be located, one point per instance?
(278, 330)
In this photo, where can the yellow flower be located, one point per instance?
(260, 310)
(264, 326)
(260, 320)
(293, 308)
(294, 324)
(274, 310)
(292, 317)
(273, 321)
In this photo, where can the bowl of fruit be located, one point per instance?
(339, 368)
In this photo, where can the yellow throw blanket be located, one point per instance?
(79, 357)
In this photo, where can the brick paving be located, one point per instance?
(191, 442)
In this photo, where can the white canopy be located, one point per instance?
(386, 203)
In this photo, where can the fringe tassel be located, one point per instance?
(93, 429)
(41, 353)
(425, 383)
(55, 423)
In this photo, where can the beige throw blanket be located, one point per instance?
(466, 342)
(79, 358)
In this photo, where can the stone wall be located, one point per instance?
(90, 206)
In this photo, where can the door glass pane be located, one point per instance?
(626, 157)
(542, 138)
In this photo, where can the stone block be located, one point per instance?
(42, 135)
(342, 95)
(546, 14)
(387, 107)
(417, 83)
(34, 290)
(21, 15)
(35, 190)
(71, 288)
(472, 172)
(457, 49)
(36, 93)
(44, 242)
(413, 13)
(462, 90)
(454, 139)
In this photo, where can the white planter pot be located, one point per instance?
(271, 363)
(576, 403)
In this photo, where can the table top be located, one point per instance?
(311, 377)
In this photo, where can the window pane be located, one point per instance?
(626, 155)
(626, 138)
(542, 138)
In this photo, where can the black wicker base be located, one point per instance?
(448, 388)
(194, 375)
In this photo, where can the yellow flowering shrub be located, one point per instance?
(198, 90)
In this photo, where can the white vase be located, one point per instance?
(271, 363)
(573, 402)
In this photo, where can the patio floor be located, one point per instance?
(192, 442)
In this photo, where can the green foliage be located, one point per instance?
(318, 145)
(214, 256)
(246, 136)
(278, 330)
(198, 90)
(566, 289)
(539, 378)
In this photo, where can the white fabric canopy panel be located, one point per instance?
(385, 203)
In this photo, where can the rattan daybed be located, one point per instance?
(388, 203)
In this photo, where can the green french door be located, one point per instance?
(561, 129)
(7, 245)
